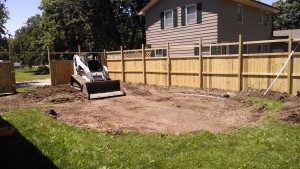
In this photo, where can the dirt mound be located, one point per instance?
(137, 89)
(282, 96)
(53, 94)
(293, 118)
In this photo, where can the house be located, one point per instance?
(184, 22)
(282, 47)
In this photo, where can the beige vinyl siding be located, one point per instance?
(182, 35)
(229, 28)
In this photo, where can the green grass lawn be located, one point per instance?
(27, 74)
(274, 144)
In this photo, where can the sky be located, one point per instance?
(21, 10)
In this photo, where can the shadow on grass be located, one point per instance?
(27, 84)
(16, 152)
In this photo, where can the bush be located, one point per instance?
(42, 70)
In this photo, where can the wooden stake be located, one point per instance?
(49, 60)
(105, 58)
(240, 64)
(79, 50)
(144, 64)
(290, 65)
(123, 66)
(200, 64)
(169, 64)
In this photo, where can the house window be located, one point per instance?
(224, 50)
(158, 53)
(206, 51)
(259, 48)
(240, 13)
(268, 20)
(266, 48)
(169, 19)
(191, 14)
(245, 49)
(261, 17)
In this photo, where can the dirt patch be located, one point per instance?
(291, 111)
(53, 94)
(145, 109)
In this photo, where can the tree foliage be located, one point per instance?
(130, 25)
(289, 15)
(92, 24)
(88, 23)
(3, 19)
(27, 43)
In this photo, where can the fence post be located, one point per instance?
(200, 64)
(169, 64)
(79, 50)
(144, 64)
(240, 64)
(105, 58)
(123, 66)
(290, 65)
(49, 60)
(12, 70)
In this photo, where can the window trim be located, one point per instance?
(261, 17)
(158, 55)
(186, 14)
(240, 5)
(165, 15)
(268, 47)
(268, 17)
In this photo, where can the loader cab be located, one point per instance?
(94, 62)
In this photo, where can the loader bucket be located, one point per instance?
(104, 89)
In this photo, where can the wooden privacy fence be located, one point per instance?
(61, 70)
(7, 74)
(230, 71)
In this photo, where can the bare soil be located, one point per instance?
(148, 109)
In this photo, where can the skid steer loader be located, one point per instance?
(91, 77)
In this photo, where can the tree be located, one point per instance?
(289, 15)
(130, 25)
(88, 23)
(27, 44)
(3, 19)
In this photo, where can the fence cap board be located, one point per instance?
(265, 41)
(266, 54)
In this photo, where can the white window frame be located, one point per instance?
(225, 50)
(237, 14)
(165, 19)
(261, 17)
(268, 18)
(207, 52)
(158, 54)
(186, 14)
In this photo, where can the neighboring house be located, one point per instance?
(184, 22)
(282, 47)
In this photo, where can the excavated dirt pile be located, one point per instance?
(53, 94)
